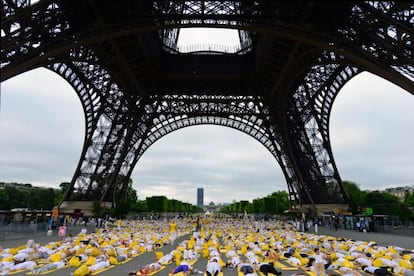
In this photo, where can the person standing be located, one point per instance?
(173, 231)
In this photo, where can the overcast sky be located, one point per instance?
(42, 130)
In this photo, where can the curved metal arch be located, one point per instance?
(309, 111)
(98, 96)
(267, 134)
(259, 134)
(91, 104)
(89, 97)
(325, 98)
(91, 100)
(169, 107)
(104, 125)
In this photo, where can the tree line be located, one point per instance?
(273, 204)
(15, 195)
(381, 202)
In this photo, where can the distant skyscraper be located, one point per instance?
(200, 196)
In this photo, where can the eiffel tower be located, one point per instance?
(136, 84)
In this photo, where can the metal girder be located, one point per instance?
(108, 121)
(135, 85)
(308, 116)
(346, 36)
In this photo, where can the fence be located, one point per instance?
(25, 230)
(403, 230)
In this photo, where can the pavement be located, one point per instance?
(149, 257)
(379, 238)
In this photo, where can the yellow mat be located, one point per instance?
(102, 270)
(285, 266)
(22, 270)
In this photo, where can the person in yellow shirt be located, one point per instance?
(173, 231)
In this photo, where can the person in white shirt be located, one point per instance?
(21, 257)
(121, 254)
(389, 263)
(22, 266)
(213, 267)
(49, 267)
(319, 256)
(346, 271)
(148, 269)
(295, 261)
(403, 271)
(167, 258)
(5, 266)
(231, 253)
(253, 259)
(363, 261)
(189, 254)
(99, 265)
(235, 261)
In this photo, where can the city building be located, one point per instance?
(200, 197)
(400, 191)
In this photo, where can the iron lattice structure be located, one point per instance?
(136, 85)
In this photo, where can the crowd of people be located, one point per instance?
(251, 247)
(91, 252)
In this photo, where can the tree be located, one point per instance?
(157, 203)
(270, 204)
(47, 198)
(258, 206)
(384, 203)
(249, 208)
(121, 209)
(17, 197)
(275, 203)
(282, 201)
(141, 206)
(243, 205)
(4, 200)
(131, 194)
(356, 196)
(409, 199)
(97, 208)
(34, 199)
(64, 186)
